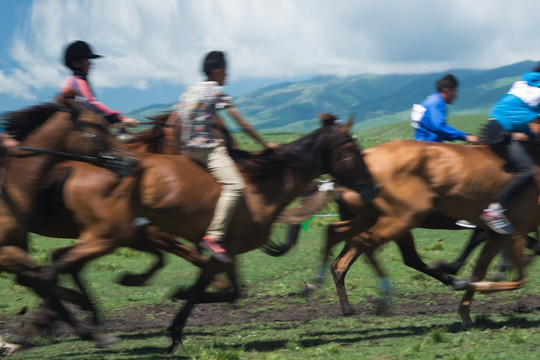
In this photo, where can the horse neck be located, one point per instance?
(167, 144)
(267, 198)
(24, 174)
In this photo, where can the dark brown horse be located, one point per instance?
(420, 182)
(48, 134)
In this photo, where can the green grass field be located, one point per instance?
(505, 335)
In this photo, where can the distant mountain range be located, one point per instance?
(376, 99)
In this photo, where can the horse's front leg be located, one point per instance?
(339, 269)
(81, 298)
(196, 295)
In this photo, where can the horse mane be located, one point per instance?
(303, 155)
(152, 135)
(20, 123)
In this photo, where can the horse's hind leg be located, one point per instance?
(452, 268)
(491, 248)
(412, 259)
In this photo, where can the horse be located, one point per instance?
(48, 133)
(430, 185)
(65, 207)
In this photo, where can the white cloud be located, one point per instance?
(146, 42)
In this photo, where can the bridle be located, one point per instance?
(122, 165)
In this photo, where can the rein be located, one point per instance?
(60, 153)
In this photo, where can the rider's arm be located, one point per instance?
(86, 92)
(246, 127)
(437, 124)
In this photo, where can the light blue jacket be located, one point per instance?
(521, 105)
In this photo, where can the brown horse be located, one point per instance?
(48, 134)
(82, 201)
(274, 178)
(429, 185)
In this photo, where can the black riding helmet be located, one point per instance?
(78, 50)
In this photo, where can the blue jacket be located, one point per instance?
(516, 109)
(433, 125)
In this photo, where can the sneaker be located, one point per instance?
(216, 249)
(465, 224)
(497, 221)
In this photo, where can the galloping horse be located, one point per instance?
(429, 185)
(182, 202)
(48, 134)
(82, 201)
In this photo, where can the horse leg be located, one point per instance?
(491, 248)
(81, 299)
(335, 233)
(412, 259)
(452, 268)
(153, 238)
(72, 259)
(339, 269)
(384, 285)
(181, 317)
(141, 279)
(42, 280)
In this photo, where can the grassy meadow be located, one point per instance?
(267, 281)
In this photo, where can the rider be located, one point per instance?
(196, 109)
(512, 113)
(77, 58)
(429, 118)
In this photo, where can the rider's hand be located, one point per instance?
(130, 121)
(472, 139)
(9, 142)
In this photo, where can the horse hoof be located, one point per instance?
(181, 295)
(460, 284)
(131, 280)
(174, 346)
(382, 306)
(447, 268)
(347, 310)
(7, 348)
(104, 341)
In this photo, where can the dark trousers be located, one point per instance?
(512, 151)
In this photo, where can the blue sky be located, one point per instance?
(153, 48)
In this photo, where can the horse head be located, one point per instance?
(346, 161)
(64, 127)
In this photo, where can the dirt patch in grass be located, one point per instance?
(285, 308)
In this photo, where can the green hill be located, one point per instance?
(376, 99)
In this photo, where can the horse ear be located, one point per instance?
(348, 125)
